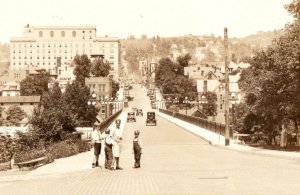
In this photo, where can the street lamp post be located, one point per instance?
(93, 102)
(186, 101)
(203, 101)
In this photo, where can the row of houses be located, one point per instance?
(211, 78)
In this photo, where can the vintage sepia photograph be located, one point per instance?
(150, 97)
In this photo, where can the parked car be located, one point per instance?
(131, 117)
(150, 119)
(139, 112)
(153, 106)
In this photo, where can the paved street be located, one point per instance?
(174, 161)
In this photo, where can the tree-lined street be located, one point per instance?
(174, 161)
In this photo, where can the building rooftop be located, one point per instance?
(20, 99)
(64, 27)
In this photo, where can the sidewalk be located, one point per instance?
(79, 162)
(219, 140)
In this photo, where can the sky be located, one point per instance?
(165, 18)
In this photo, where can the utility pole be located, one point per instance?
(227, 129)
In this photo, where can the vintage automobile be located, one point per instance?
(139, 112)
(153, 105)
(131, 117)
(151, 119)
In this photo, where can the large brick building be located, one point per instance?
(46, 47)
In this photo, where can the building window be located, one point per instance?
(63, 34)
(74, 33)
(103, 110)
(41, 34)
(51, 34)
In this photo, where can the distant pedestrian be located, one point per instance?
(283, 137)
(109, 142)
(137, 149)
(117, 136)
(97, 138)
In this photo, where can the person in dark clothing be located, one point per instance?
(109, 141)
(137, 149)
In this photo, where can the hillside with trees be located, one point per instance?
(211, 46)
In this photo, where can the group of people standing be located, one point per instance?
(111, 139)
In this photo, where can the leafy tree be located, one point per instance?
(272, 83)
(14, 115)
(35, 85)
(100, 68)
(48, 123)
(82, 67)
(183, 61)
(75, 98)
(1, 117)
(115, 88)
(172, 81)
(210, 108)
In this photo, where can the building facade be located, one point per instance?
(12, 76)
(11, 89)
(27, 103)
(47, 47)
(102, 87)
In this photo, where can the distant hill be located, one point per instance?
(261, 39)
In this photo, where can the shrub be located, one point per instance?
(61, 149)
(7, 148)
(29, 148)
(23, 156)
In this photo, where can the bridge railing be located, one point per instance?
(203, 123)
